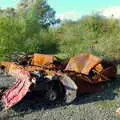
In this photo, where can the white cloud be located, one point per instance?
(112, 12)
(72, 15)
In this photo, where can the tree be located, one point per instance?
(8, 12)
(12, 30)
(25, 28)
(44, 14)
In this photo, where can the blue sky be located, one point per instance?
(83, 6)
(72, 7)
(8, 3)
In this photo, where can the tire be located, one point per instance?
(51, 95)
(56, 91)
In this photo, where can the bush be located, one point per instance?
(11, 35)
(92, 34)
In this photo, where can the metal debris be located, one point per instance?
(56, 78)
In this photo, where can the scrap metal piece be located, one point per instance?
(82, 63)
(42, 59)
(91, 68)
(15, 93)
(70, 88)
(10, 68)
(82, 73)
(118, 111)
(20, 58)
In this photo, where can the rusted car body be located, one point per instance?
(57, 78)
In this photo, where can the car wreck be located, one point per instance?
(56, 78)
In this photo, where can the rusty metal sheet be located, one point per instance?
(82, 63)
(20, 88)
(42, 59)
(10, 68)
(79, 75)
(70, 88)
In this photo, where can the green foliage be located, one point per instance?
(22, 35)
(11, 34)
(28, 29)
(92, 34)
(43, 42)
(44, 14)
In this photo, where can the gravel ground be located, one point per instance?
(98, 106)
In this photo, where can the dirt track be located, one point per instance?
(98, 106)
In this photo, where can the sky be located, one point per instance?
(73, 9)
(8, 3)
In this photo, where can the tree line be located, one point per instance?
(30, 27)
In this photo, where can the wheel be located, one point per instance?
(51, 95)
(56, 91)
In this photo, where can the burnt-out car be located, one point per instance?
(57, 79)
